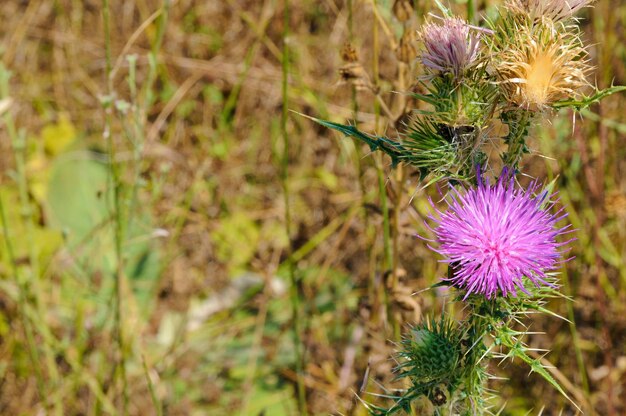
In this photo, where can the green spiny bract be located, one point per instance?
(443, 361)
(431, 353)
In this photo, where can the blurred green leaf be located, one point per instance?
(79, 202)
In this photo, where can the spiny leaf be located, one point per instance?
(588, 101)
(394, 149)
(516, 349)
(443, 9)
(426, 98)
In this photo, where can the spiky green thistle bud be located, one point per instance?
(431, 352)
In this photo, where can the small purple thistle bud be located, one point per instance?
(495, 235)
(449, 47)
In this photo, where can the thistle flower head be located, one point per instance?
(449, 46)
(538, 69)
(555, 10)
(494, 236)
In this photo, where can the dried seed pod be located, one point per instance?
(406, 51)
(354, 73)
(403, 10)
(349, 53)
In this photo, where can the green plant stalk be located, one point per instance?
(142, 104)
(355, 111)
(148, 97)
(153, 395)
(115, 181)
(358, 155)
(471, 11)
(580, 361)
(294, 293)
(137, 136)
(382, 191)
(18, 145)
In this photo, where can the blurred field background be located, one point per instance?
(175, 242)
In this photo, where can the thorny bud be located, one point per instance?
(432, 352)
(542, 66)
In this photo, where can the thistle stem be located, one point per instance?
(518, 122)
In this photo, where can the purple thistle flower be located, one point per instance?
(495, 235)
(449, 47)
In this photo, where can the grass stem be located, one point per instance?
(294, 291)
(116, 185)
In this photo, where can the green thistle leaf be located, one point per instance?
(394, 149)
(586, 102)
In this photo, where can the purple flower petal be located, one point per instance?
(449, 47)
(495, 235)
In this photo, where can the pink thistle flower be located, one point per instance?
(494, 236)
(449, 47)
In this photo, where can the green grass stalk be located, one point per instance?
(357, 157)
(382, 191)
(471, 11)
(115, 182)
(294, 292)
(153, 395)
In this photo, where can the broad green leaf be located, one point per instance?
(80, 204)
